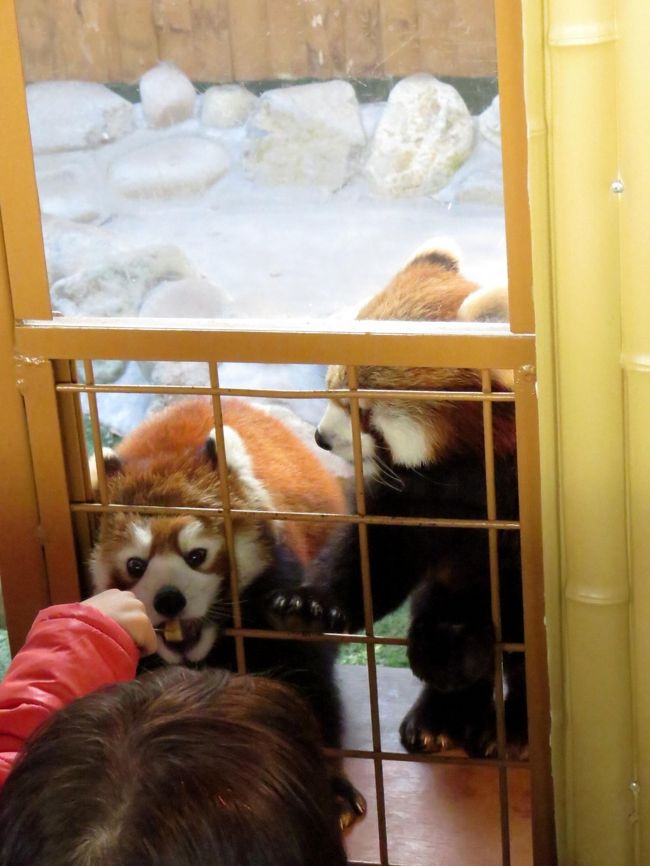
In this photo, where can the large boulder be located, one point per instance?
(72, 115)
(71, 186)
(192, 298)
(310, 134)
(72, 246)
(425, 134)
(117, 286)
(225, 106)
(167, 95)
(179, 165)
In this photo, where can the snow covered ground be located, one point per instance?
(230, 206)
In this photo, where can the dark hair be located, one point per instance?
(176, 768)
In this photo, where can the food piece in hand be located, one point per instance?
(173, 631)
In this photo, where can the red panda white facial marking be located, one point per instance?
(334, 433)
(388, 423)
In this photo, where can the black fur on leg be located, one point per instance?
(446, 572)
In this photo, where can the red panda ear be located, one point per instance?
(489, 304)
(112, 465)
(210, 449)
(112, 462)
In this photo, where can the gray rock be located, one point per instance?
(72, 115)
(71, 186)
(71, 246)
(310, 134)
(180, 165)
(117, 286)
(226, 105)
(167, 95)
(425, 134)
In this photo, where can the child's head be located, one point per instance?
(177, 768)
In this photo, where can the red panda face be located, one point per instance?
(178, 566)
(405, 433)
(179, 569)
(416, 433)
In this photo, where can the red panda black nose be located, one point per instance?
(169, 601)
(321, 441)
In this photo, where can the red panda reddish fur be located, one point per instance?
(292, 475)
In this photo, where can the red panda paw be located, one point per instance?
(305, 609)
(350, 801)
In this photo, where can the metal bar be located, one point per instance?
(342, 638)
(50, 480)
(495, 597)
(387, 343)
(21, 221)
(514, 146)
(73, 438)
(93, 413)
(359, 485)
(361, 394)
(428, 758)
(24, 577)
(539, 715)
(308, 516)
(222, 467)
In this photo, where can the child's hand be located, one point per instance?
(130, 613)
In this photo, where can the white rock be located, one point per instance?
(423, 137)
(489, 123)
(72, 247)
(71, 186)
(167, 94)
(310, 134)
(172, 166)
(226, 105)
(191, 297)
(117, 286)
(71, 115)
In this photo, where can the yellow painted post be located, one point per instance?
(572, 82)
(538, 181)
(22, 566)
(633, 20)
(23, 290)
(18, 195)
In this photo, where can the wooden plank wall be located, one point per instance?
(247, 40)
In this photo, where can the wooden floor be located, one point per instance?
(435, 815)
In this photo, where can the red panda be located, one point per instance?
(426, 459)
(177, 564)
(429, 288)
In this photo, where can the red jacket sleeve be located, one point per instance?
(71, 650)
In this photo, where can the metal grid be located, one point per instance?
(68, 395)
